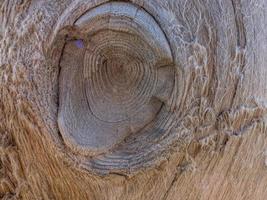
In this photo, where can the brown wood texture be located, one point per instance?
(138, 100)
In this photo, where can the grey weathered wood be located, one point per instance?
(107, 88)
(207, 139)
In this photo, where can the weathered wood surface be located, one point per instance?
(216, 146)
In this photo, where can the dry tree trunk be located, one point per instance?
(140, 99)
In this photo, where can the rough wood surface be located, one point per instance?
(201, 62)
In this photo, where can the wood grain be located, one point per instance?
(184, 90)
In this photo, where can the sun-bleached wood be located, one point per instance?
(213, 88)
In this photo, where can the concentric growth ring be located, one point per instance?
(116, 82)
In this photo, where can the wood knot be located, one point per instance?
(116, 88)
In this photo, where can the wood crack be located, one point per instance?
(174, 180)
(241, 44)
